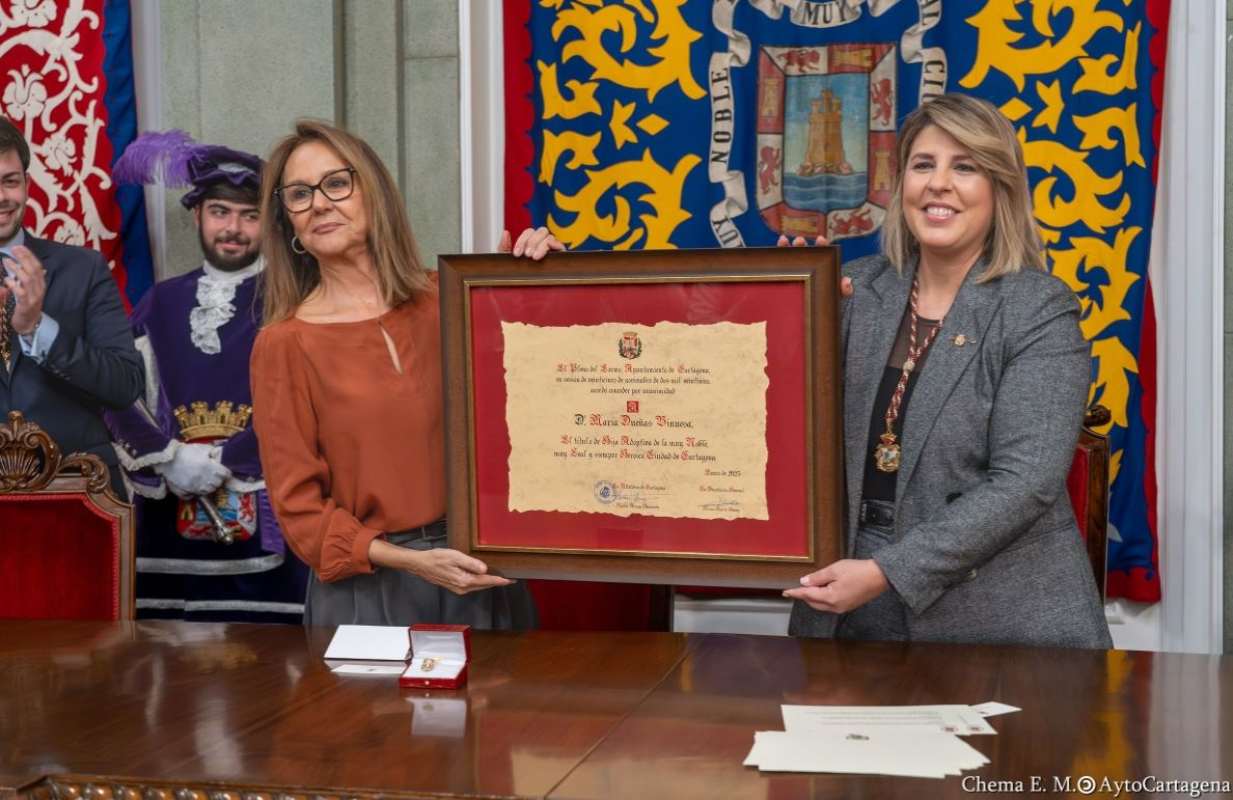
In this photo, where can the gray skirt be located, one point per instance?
(882, 619)
(885, 617)
(394, 597)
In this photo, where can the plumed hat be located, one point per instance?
(174, 159)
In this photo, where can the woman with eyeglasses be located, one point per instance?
(347, 395)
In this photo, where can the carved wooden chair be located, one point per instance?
(66, 542)
(1088, 487)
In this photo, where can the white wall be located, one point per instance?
(1189, 289)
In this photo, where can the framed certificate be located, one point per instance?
(651, 416)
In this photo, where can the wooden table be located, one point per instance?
(175, 711)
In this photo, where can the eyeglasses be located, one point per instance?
(336, 185)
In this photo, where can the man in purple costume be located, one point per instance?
(208, 544)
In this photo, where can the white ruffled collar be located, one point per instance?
(239, 276)
(215, 292)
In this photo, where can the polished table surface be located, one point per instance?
(195, 711)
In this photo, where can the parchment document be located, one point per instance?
(665, 420)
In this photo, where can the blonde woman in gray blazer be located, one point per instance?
(974, 539)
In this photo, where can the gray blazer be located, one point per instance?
(985, 547)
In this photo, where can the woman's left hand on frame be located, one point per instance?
(842, 586)
(534, 243)
(845, 284)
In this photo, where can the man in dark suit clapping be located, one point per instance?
(66, 349)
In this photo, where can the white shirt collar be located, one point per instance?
(18, 240)
(239, 276)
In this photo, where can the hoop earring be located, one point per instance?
(297, 250)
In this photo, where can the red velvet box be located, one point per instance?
(439, 657)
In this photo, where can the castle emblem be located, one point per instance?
(826, 138)
(630, 345)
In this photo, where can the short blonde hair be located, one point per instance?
(977, 125)
(290, 276)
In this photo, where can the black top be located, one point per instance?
(880, 485)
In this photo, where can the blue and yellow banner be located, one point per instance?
(700, 123)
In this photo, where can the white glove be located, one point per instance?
(193, 471)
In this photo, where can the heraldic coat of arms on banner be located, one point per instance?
(826, 138)
(822, 80)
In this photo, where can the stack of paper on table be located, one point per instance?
(913, 741)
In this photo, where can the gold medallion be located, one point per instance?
(886, 455)
(428, 664)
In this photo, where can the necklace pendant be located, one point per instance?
(887, 454)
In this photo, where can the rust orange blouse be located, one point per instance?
(351, 447)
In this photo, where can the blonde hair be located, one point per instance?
(1014, 240)
(289, 276)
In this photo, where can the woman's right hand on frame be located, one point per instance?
(449, 569)
(845, 284)
(453, 570)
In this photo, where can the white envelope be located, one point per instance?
(354, 668)
(369, 643)
(993, 708)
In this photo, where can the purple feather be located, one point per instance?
(155, 157)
